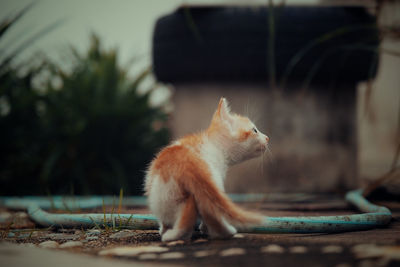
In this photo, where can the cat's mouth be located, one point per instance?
(261, 148)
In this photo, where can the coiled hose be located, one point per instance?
(373, 216)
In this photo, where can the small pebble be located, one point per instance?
(63, 236)
(201, 240)
(24, 235)
(172, 256)
(10, 234)
(91, 238)
(34, 234)
(175, 243)
(362, 247)
(131, 251)
(92, 232)
(148, 256)
(204, 253)
(21, 215)
(65, 231)
(49, 244)
(332, 249)
(232, 252)
(124, 234)
(298, 249)
(372, 251)
(78, 232)
(5, 217)
(71, 244)
(272, 249)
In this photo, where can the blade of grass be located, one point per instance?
(6, 25)
(104, 216)
(129, 219)
(121, 196)
(28, 42)
(93, 221)
(192, 24)
(112, 213)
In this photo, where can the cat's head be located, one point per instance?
(238, 134)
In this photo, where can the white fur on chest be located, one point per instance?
(216, 161)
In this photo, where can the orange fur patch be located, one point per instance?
(212, 222)
(243, 135)
(164, 163)
(189, 214)
(193, 141)
(181, 163)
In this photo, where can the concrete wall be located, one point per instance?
(307, 151)
(379, 105)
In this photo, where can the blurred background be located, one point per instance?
(90, 91)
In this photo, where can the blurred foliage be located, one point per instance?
(83, 131)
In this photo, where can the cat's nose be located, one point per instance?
(267, 138)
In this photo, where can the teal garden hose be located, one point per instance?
(372, 216)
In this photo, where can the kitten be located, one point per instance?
(186, 179)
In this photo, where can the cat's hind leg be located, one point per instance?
(217, 227)
(163, 228)
(183, 226)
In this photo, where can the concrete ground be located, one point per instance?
(32, 246)
(22, 255)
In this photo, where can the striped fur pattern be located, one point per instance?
(186, 179)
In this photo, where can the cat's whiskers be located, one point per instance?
(262, 163)
(269, 155)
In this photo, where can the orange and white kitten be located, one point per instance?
(186, 179)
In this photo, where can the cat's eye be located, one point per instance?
(255, 130)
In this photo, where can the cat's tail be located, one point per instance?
(213, 202)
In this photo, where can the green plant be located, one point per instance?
(19, 122)
(101, 133)
(90, 133)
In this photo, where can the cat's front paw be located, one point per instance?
(174, 234)
(168, 236)
(163, 228)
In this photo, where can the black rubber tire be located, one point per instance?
(231, 44)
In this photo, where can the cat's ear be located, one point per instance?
(224, 112)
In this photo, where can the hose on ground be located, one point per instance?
(373, 216)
